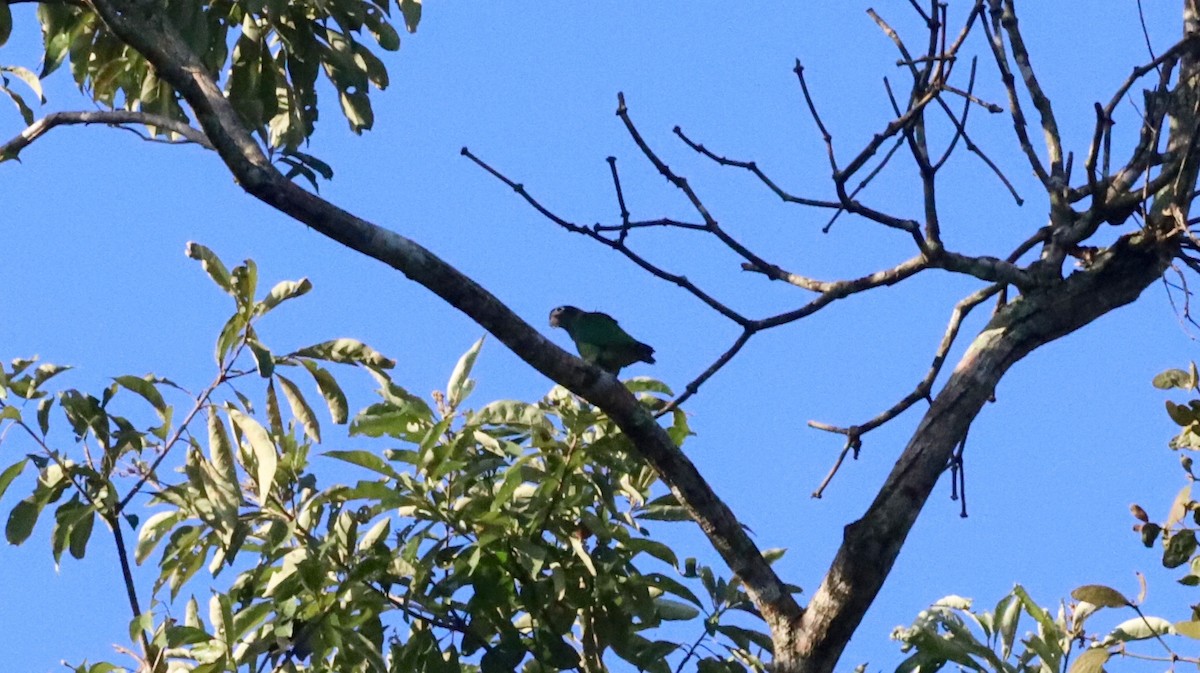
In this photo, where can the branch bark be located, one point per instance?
(142, 25)
(872, 543)
(12, 148)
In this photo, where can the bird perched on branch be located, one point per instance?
(600, 340)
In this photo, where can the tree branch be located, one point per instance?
(12, 148)
(872, 543)
(145, 28)
(922, 391)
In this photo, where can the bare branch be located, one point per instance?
(624, 231)
(682, 184)
(923, 389)
(12, 148)
(1000, 54)
(865, 181)
(758, 172)
(694, 386)
(845, 288)
(594, 233)
(1008, 19)
(972, 98)
(907, 58)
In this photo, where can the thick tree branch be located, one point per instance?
(872, 543)
(143, 26)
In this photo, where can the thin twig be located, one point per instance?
(594, 234)
(694, 387)
(682, 184)
(922, 391)
(624, 231)
(753, 168)
(148, 474)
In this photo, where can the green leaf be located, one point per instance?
(335, 399)
(346, 351)
(43, 414)
(1179, 548)
(509, 412)
(774, 554)
(263, 360)
(382, 31)
(145, 387)
(80, 533)
(654, 548)
(231, 332)
(1139, 628)
(1179, 506)
(1174, 378)
(141, 624)
(212, 265)
(300, 409)
(551, 650)
(263, 450)
(743, 637)
(405, 422)
(157, 526)
(1181, 414)
(412, 14)
(1101, 596)
(366, 459)
(501, 659)
(25, 75)
(178, 636)
(646, 384)
(673, 586)
(356, 106)
(10, 473)
(282, 292)
(460, 384)
(244, 278)
(220, 452)
(674, 611)
(1189, 629)
(21, 521)
(274, 419)
(5, 22)
(1149, 533)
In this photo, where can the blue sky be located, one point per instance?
(95, 222)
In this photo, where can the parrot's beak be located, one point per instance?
(554, 320)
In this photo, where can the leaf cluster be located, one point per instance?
(269, 55)
(512, 536)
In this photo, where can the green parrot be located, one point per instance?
(600, 340)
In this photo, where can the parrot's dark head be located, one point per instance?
(564, 316)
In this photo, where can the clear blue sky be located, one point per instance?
(95, 221)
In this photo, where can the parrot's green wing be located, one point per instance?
(601, 341)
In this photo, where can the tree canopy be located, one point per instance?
(238, 80)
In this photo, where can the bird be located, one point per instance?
(600, 340)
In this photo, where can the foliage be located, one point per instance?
(510, 536)
(268, 55)
(950, 631)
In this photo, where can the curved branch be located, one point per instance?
(144, 27)
(872, 543)
(39, 128)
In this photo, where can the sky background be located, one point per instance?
(94, 224)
